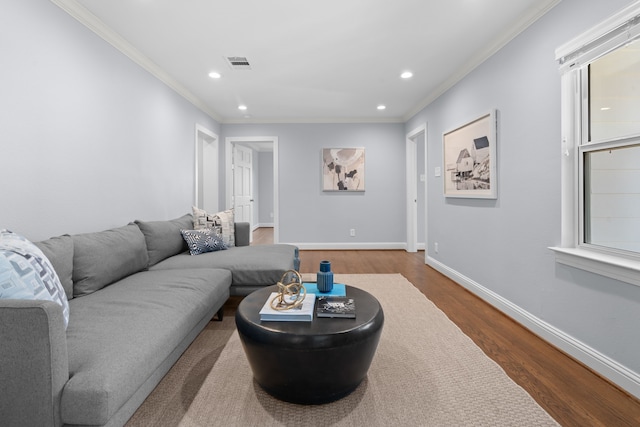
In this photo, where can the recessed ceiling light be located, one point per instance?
(242, 107)
(605, 109)
(382, 107)
(214, 75)
(406, 75)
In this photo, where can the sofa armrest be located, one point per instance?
(35, 366)
(243, 233)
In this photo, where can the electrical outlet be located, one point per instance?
(352, 232)
(435, 247)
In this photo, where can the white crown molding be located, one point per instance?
(77, 11)
(92, 22)
(602, 364)
(326, 120)
(506, 37)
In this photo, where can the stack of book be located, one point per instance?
(302, 313)
(329, 304)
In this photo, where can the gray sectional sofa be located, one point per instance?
(137, 299)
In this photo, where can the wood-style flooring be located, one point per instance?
(570, 392)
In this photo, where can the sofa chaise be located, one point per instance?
(136, 300)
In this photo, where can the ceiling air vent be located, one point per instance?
(238, 63)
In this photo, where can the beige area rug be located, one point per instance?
(426, 372)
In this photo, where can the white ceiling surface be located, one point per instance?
(312, 61)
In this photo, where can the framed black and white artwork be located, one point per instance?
(469, 153)
(343, 169)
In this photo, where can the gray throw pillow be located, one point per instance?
(163, 238)
(59, 251)
(102, 258)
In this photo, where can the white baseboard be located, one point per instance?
(351, 246)
(624, 377)
(263, 224)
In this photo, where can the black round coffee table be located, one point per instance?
(310, 362)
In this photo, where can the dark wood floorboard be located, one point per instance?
(570, 392)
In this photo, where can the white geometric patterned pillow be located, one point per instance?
(26, 273)
(202, 219)
(221, 222)
(227, 226)
(202, 241)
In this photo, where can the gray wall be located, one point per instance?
(313, 218)
(88, 139)
(500, 247)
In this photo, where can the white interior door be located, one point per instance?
(242, 188)
(272, 141)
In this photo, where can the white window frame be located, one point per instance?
(573, 57)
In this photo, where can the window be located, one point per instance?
(601, 148)
(611, 175)
(612, 198)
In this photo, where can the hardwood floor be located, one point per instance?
(570, 392)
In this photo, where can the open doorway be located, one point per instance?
(416, 160)
(206, 169)
(237, 177)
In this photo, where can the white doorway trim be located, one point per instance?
(412, 186)
(229, 142)
(412, 195)
(206, 168)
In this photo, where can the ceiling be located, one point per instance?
(311, 61)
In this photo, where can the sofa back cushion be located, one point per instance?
(101, 258)
(164, 238)
(59, 251)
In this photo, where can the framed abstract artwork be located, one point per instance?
(343, 169)
(469, 153)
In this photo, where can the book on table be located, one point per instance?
(331, 306)
(339, 289)
(302, 313)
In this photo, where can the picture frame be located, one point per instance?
(469, 159)
(343, 169)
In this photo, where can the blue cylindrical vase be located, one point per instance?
(325, 277)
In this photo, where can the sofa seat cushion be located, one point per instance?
(249, 265)
(119, 335)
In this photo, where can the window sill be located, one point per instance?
(623, 269)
